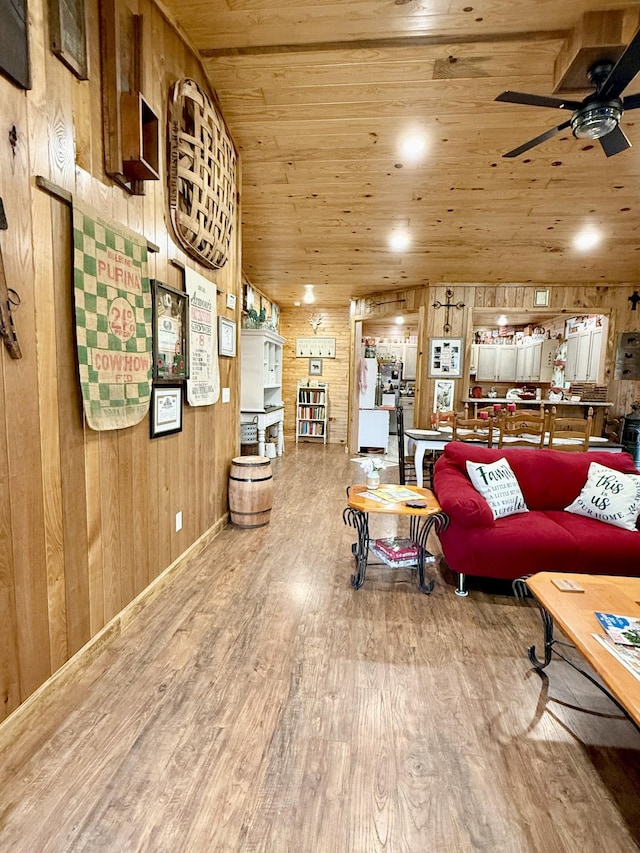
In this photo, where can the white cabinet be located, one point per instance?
(373, 429)
(547, 357)
(496, 363)
(409, 359)
(595, 350)
(473, 363)
(583, 356)
(260, 370)
(311, 412)
(528, 362)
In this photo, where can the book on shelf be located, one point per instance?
(628, 656)
(622, 630)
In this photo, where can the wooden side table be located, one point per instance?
(421, 522)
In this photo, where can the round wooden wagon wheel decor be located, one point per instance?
(202, 175)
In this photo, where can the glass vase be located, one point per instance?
(373, 480)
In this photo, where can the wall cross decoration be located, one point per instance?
(448, 305)
(634, 299)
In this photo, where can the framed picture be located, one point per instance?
(541, 298)
(226, 337)
(166, 410)
(67, 30)
(14, 42)
(170, 327)
(443, 397)
(315, 367)
(445, 357)
(231, 301)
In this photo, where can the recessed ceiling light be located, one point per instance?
(399, 321)
(297, 304)
(399, 241)
(587, 239)
(413, 146)
(502, 320)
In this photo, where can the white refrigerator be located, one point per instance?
(373, 424)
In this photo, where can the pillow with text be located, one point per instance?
(498, 485)
(609, 496)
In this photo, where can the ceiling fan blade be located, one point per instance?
(533, 142)
(614, 142)
(631, 102)
(623, 71)
(537, 101)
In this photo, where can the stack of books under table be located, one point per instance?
(398, 552)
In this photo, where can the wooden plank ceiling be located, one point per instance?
(318, 96)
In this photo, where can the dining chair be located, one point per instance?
(522, 429)
(474, 429)
(570, 434)
(406, 460)
(613, 426)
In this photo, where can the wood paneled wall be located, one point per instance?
(87, 519)
(294, 323)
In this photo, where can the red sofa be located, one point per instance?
(543, 539)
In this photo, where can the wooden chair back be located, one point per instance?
(613, 426)
(474, 429)
(522, 428)
(439, 418)
(576, 429)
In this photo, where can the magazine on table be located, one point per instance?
(391, 494)
(623, 630)
(628, 656)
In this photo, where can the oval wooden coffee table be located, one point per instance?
(421, 521)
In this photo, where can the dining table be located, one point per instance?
(437, 439)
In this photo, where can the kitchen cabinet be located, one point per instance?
(528, 362)
(547, 357)
(373, 429)
(409, 359)
(496, 363)
(260, 370)
(583, 356)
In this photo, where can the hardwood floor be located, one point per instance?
(260, 704)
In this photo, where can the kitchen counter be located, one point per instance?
(487, 401)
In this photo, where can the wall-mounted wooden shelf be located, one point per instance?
(140, 138)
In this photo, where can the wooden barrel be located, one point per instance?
(250, 491)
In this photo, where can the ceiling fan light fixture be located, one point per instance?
(597, 120)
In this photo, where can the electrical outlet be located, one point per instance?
(178, 521)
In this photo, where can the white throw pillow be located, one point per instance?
(609, 496)
(497, 483)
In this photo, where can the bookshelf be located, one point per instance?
(311, 412)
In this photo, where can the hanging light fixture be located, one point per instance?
(309, 296)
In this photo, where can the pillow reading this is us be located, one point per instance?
(498, 485)
(609, 496)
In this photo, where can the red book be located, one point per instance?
(397, 548)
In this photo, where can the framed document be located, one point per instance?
(67, 31)
(166, 410)
(445, 357)
(226, 337)
(170, 351)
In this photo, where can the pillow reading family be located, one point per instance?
(498, 486)
(609, 496)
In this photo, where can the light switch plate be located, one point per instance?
(226, 395)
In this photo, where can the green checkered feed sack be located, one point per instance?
(113, 320)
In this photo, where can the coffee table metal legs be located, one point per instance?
(419, 529)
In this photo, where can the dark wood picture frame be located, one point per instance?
(14, 42)
(68, 34)
(165, 417)
(170, 333)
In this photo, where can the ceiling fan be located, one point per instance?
(598, 115)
